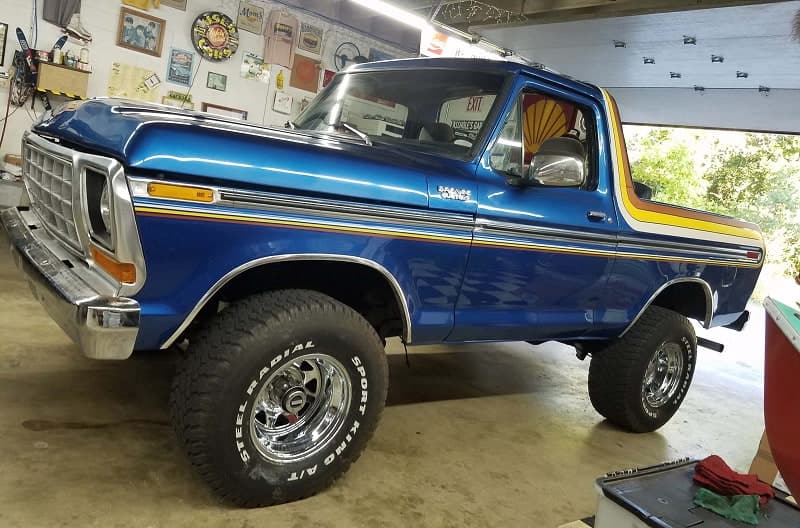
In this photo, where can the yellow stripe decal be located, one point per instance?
(463, 240)
(601, 253)
(662, 218)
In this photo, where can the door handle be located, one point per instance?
(596, 216)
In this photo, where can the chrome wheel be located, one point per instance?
(663, 376)
(300, 408)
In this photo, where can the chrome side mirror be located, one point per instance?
(560, 162)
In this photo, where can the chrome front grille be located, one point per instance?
(48, 179)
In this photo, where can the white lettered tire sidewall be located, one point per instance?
(617, 372)
(229, 362)
(294, 479)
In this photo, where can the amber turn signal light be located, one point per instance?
(121, 271)
(180, 192)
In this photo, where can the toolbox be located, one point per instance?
(662, 497)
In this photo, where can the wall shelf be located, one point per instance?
(60, 80)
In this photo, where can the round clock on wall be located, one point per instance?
(215, 36)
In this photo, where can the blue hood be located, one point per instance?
(149, 138)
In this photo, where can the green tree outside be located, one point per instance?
(758, 181)
(668, 168)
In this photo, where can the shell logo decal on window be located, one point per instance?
(544, 119)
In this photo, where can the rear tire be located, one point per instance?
(639, 381)
(278, 395)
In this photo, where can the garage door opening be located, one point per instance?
(748, 175)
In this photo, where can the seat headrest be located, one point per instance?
(438, 132)
(563, 146)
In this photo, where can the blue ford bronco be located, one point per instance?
(434, 200)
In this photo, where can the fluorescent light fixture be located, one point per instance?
(689, 40)
(503, 52)
(619, 44)
(675, 75)
(469, 37)
(717, 58)
(649, 60)
(394, 12)
(742, 75)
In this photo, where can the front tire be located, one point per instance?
(639, 381)
(278, 395)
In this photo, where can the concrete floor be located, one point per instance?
(478, 435)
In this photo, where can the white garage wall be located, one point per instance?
(101, 17)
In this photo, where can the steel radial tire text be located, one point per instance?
(278, 395)
(639, 381)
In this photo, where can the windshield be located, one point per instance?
(441, 111)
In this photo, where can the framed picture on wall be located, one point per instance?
(3, 36)
(179, 70)
(251, 17)
(327, 77)
(140, 32)
(175, 4)
(253, 68)
(305, 74)
(217, 81)
(310, 38)
(282, 103)
(225, 111)
(177, 103)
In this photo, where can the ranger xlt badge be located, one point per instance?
(451, 193)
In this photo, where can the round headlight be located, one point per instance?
(105, 208)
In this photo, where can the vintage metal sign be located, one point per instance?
(215, 36)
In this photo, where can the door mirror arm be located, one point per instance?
(519, 181)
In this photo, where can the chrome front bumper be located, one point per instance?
(105, 326)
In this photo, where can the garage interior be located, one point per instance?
(472, 435)
(483, 434)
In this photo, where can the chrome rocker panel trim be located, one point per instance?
(398, 290)
(103, 325)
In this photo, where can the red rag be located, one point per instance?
(713, 473)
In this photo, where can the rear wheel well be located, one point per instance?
(688, 298)
(363, 288)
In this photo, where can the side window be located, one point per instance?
(506, 155)
(534, 119)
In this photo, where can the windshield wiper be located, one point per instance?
(359, 133)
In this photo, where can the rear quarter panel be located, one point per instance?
(677, 243)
